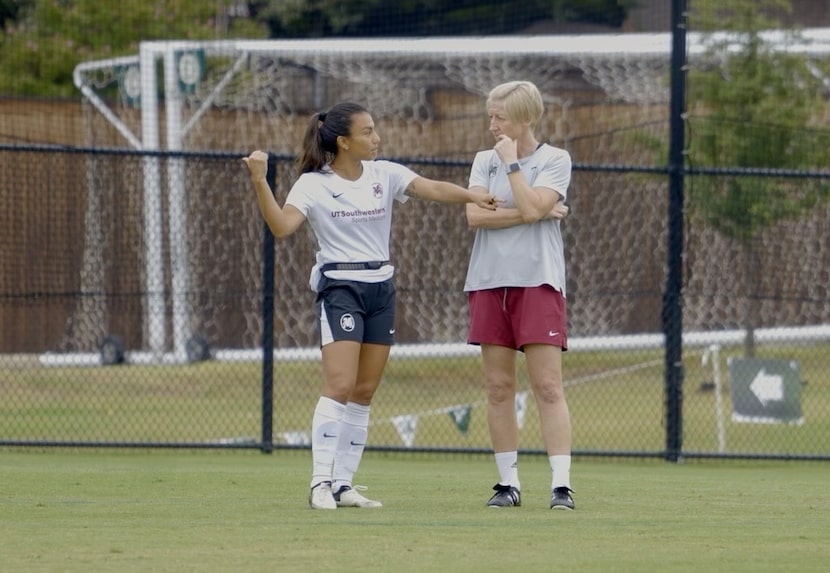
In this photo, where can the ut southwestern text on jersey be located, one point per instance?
(359, 216)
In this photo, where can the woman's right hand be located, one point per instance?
(257, 163)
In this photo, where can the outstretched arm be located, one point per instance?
(282, 222)
(447, 192)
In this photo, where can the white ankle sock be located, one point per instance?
(560, 467)
(508, 466)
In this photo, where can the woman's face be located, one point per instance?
(500, 123)
(363, 141)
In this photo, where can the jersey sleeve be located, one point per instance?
(300, 195)
(556, 173)
(399, 177)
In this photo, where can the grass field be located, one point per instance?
(164, 511)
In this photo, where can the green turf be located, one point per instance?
(89, 511)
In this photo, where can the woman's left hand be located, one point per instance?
(559, 211)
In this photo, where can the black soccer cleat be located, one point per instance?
(560, 498)
(505, 496)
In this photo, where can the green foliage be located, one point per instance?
(43, 40)
(305, 18)
(751, 106)
(9, 10)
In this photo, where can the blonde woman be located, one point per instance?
(516, 285)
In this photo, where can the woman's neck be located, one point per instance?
(351, 170)
(527, 147)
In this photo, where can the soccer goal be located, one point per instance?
(191, 108)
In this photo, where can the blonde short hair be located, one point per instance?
(522, 101)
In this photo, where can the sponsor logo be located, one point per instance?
(352, 442)
(325, 435)
(553, 332)
(371, 213)
(391, 331)
(336, 195)
(347, 322)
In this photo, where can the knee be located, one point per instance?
(500, 390)
(549, 393)
(363, 391)
(337, 388)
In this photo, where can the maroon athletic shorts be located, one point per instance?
(517, 316)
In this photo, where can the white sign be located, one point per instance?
(767, 387)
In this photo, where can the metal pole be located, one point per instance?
(177, 205)
(155, 323)
(672, 298)
(268, 284)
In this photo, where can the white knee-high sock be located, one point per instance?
(508, 466)
(324, 432)
(354, 429)
(560, 467)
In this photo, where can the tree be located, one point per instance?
(10, 9)
(41, 41)
(750, 107)
(388, 18)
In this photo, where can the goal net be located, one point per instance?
(188, 233)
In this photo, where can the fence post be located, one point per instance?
(672, 298)
(268, 261)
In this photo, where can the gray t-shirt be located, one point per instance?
(351, 219)
(525, 255)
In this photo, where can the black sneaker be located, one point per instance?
(505, 496)
(561, 498)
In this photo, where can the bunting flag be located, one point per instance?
(296, 438)
(461, 416)
(406, 426)
(521, 408)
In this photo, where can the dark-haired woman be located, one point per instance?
(347, 197)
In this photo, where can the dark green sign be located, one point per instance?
(765, 391)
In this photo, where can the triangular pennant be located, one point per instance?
(406, 426)
(461, 416)
(521, 408)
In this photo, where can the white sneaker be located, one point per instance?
(348, 496)
(320, 496)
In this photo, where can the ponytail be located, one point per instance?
(320, 140)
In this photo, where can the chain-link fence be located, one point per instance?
(78, 311)
(143, 302)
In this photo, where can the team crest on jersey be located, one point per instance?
(377, 190)
(347, 322)
(494, 168)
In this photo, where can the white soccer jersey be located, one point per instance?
(526, 255)
(351, 219)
